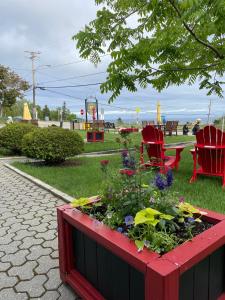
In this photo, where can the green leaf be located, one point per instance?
(188, 208)
(139, 244)
(166, 217)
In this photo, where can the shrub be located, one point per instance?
(12, 134)
(51, 144)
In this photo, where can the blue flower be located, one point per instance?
(191, 220)
(129, 220)
(169, 178)
(132, 162)
(119, 229)
(159, 182)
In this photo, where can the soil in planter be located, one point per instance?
(197, 229)
(185, 232)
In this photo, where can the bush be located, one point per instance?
(51, 144)
(12, 134)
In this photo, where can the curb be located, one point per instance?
(41, 184)
(13, 157)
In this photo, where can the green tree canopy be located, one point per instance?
(11, 87)
(46, 111)
(157, 42)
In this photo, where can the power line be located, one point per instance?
(74, 62)
(73, 77)
(68, 86)
(103, 104)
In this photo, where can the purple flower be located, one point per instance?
(124, 153)
(129, 220)
(159, 182)
(181, 199)
(169, 178)
(119, 229)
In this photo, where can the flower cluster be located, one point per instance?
(162, 183)
(128, 161)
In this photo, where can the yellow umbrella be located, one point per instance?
(159, 119)
(26, 112)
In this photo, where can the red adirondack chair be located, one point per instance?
(209, 153)
(153, 140)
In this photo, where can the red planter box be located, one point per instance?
(95, 136)
(100, 263)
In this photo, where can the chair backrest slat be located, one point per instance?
(210, 157)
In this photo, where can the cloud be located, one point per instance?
(48, 26)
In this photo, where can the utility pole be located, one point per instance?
(33, 56)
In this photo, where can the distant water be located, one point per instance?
(179, 115)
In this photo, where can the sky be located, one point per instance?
(48, 26)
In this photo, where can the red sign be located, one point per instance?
(81, 112)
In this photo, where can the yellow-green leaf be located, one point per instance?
(80, 202)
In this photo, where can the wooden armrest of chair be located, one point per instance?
(181, 148)
(152, 143)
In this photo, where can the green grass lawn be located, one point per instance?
(84, 179)
(111, 144)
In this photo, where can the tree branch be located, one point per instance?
(206, 44)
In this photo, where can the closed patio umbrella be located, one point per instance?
(26, 112)
(158, 109)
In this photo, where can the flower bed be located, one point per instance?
(100, 263)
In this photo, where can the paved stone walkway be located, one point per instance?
(28, 241)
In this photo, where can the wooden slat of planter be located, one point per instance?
(104, 272)
(137, 285)
(186, 289)
(78, 244)
(120, 279)
(217, 273)
(91, 270)
(201, 279)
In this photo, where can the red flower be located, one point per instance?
(127, 172)
(104, 162)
